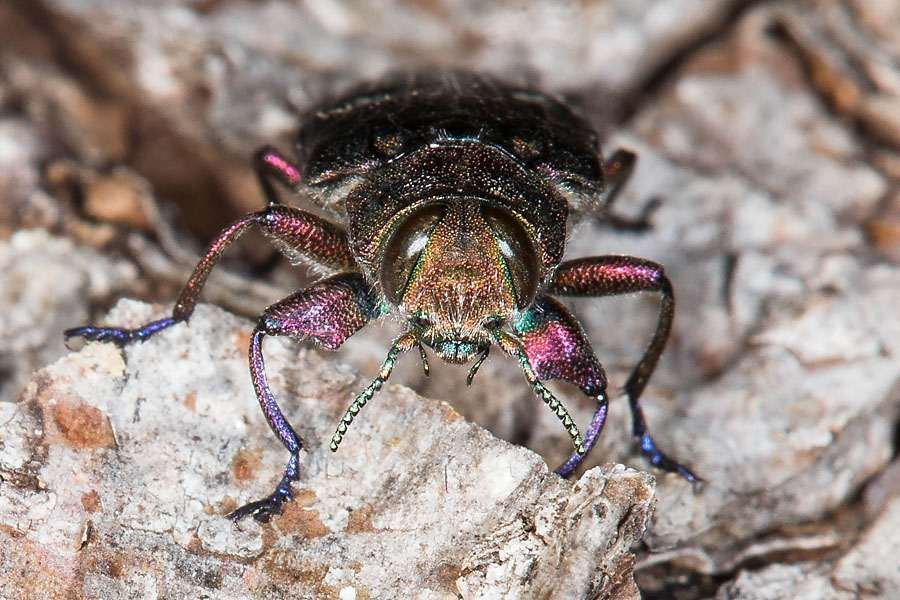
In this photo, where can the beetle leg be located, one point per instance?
(425, 368)
(612, 275)
(516, 347)
(558, 349)
(617, 171)
(265, 508)
(295, 231)
(268, 164)
(328, 312)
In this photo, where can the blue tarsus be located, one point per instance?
(262, 510)
(648, 446)
(118, 336)
(660, 460)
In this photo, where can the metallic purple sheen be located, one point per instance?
(593, 432)
(557, 347)
(267, 403)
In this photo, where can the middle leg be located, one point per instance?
(297, 233)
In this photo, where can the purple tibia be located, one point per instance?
(328, 312)
(612, 275)
(593, 432)
(558, 349)
(297, 233)
(263, 509)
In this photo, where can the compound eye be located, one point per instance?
(518, 251)
(403, 249)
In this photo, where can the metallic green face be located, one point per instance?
(454, 265)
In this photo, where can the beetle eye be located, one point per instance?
(403, 249)
(518, 251)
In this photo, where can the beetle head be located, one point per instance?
(457, 268)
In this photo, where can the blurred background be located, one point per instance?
(768, 135)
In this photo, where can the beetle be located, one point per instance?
(446, 198)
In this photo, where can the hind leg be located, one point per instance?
(617, 171)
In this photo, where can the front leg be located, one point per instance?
(612, 275)
(558, 349)
(327, 312)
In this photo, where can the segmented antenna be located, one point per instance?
(513, 346)
(422, 354)
(401, 345)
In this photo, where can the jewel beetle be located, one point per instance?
(447, 198)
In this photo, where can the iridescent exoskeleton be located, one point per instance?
(450, 196)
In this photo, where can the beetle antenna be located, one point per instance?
(513, 347)
(401, 345)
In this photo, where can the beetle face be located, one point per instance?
(454, 265)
